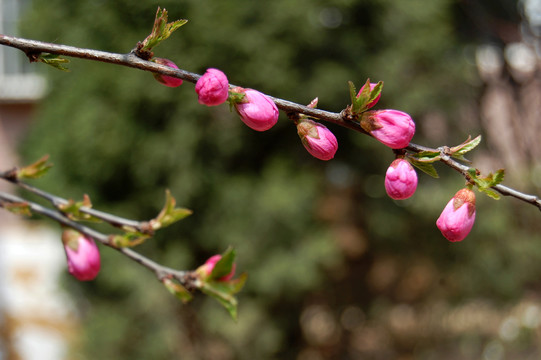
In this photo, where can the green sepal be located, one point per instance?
(18, 208)
(73, 210)
(35, 170)
(235, 97)
(169, 214)
(54, 60)
(161, 30)
(466, 146)
(223, 291)
(178, 290)
(424, 166)
(128, 239)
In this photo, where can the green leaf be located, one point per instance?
(223, 291)
(224, 265)
(73, 210)
(35, 170)
(128, 239)
(352, 94)
(498, 177)
(426, 156)
(54, 60)
(485, 183)
(18, 208)
(465, 147)
(490, 193)
(425, 167)
(161, 30)
(178, 290)
(169, 214)
(376, 91)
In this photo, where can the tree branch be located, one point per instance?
(160, 271)
(33, 49)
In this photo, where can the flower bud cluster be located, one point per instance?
(392, 128)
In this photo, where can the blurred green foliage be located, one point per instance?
(307, 232)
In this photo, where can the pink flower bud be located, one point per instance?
(373, 102)
(400, 180)
(457, 218)
(211, 262)
(391, 127)
(164, 79)
(82, 255)
(212, 88)
(256, 110)
(317, 139)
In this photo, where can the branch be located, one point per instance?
(160, 271)
(33, 49)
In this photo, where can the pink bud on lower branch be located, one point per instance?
(164, 79)
(256, 109)
(400, 180)
(317, 139)
(82, 254)
(457, 218)
(211, 262)
(212, 88)
(391, 127)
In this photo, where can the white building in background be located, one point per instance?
(36, 316)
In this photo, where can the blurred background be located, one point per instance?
(337, 270)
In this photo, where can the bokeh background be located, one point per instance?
(337, 270)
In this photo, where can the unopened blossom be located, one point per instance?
(317, 139)
(212, 88)
(211, 263)
(457, 218)
(400, 180)
(164, 79)
(256, 109)
(391, 127)
(373, 102)
(82, 254)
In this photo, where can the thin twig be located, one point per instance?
(159, 270)
(57, 202)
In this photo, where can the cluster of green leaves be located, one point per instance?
(359, 101)
(424, 160)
